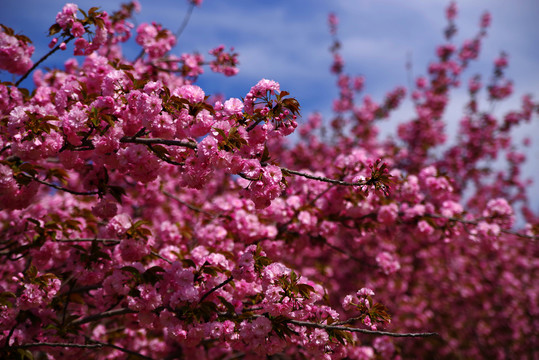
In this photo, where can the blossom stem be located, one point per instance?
(150, 141)
(83, 346)
(185, 20)
(57, 187)
(189, 206)
(122, 349)
(322, 178)
(106, 314)
(114, 241)
(364, 331)
(216, 288)
(472, 222)
(71, 37)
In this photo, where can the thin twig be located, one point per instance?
(253, 125)
(57, 187)
(475, 222)
(83, 346)
(185, 21)
(342, 251)
(364, 331)
(192, 145)
(189, 206)
(122, 349)
(163, 157)
(283, 227)
(348, 321)
(150, 141)
(71, 37)
(160, 257)
(324, 179)
(103, 315)
(115, 241)
(216, 288)
(242, 175)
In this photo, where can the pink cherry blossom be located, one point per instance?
(145, 217)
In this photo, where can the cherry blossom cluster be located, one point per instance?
(225, 63)
(15, 51)
(144, 218)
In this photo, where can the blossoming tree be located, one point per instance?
(142, 218)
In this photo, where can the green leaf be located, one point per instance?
(9, 31)
(4, 298)
(54, 29)
(305, 290)
(25, 354)
(31, 273)
(130, 269)
(76, 298)
(28, 168)
(140, 223)
(344, 337)
(188, 263)
(210, 270)
(280, 327)
(93, 10)
(116, 192)
(160, 150)
(229, 307)
(265, 155)
(152, 275)
(206, 310)
(220, 132)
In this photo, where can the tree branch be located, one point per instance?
(185, 21)
(324, 179)
(122, 349)
(83, 346)
(216, 288)
(192, 145)
(151, 141)
(71, 37)
(189, 206)
(475, 222)
(57, 187)
(156, 254)
(115, 241)
(358, 330)
(103, 315)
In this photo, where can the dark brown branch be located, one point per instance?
(71, 37)
(155, 141)
(163, 156)
(324, 179)
(342, 251)
(253, 125)
(242, 175)
(103, 315)
(185, 21)
(192, 145)
(115, 241)
(348, 321)
(57, 187)
(189, 206)
(475, 222)
(216, 288)
(83, 346)
(122, 349)
(160, 257)
(358, 330)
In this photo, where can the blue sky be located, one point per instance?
(288, 40)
